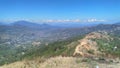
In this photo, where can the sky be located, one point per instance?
(60, 10)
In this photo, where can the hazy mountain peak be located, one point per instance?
(25, 23)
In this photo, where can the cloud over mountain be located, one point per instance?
(96, 20)
(73, 20)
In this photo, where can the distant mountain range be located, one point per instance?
(59, 24)
(30, 31)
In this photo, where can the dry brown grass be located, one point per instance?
(59, 62)
(55, 62)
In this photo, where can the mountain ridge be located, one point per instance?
(18, 41)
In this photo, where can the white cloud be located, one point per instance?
(95, 20)
(61, 21)
(92, 20)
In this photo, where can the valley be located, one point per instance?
(25, 42)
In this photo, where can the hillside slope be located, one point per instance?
(88, 47)
(96, 49)
(61, 62)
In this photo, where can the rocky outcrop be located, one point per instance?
(88, 47)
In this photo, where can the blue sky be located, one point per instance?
(97, 10)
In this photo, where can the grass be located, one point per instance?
(54, 62)
(108, 46)
(64, 48)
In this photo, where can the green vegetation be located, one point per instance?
(91, 51)
(64, 48)
(61, 47)
(110, 47)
